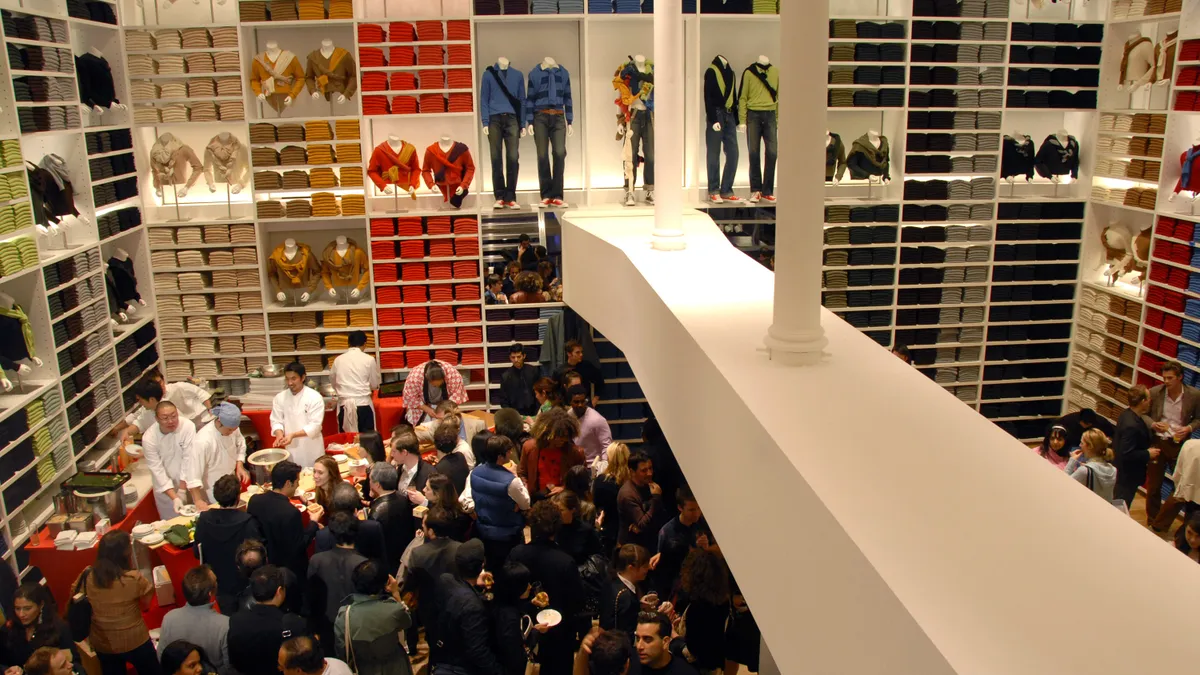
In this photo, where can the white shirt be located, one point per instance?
(516, 491)
(187, 397)
(336, 667)
(464, 448)
(406, 477)
(1173, 409)
(215, 456)
(354, 376)
(300, 412)
(165, 453)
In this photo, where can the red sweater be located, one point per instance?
(450, 169)
(388, 167)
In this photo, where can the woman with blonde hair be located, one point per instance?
(1091, 464)
(605, 489)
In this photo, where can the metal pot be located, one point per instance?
(263, 461)
(102, 503)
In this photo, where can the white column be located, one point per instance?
(668, 126)
(795, 336)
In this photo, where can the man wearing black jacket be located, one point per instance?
(1132, 445)
(287, 537)
(392, 511)
(219, 533)
(427, 564)
(559, 577)
(516, 385)
(256, 633)
(414, 472)
(1080, 421)
(593, 379)
(464, 645)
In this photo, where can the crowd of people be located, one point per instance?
(528, 277)
(540, 541)
(1152, 434)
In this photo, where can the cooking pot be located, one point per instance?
(100, 493)
(269, 370)
(263, 461)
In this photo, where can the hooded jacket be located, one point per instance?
(331, 75)
(374, 623)
(226, 160)
(835, 158)
(50, 190)
(720, 91)
(302, 272)
(169, 161)
(1017, 157)
(341, 271)
(1055, 160)
(219, 532)
(389, 167)
(449, 169)
(878, 157)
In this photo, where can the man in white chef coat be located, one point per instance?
(166, 446)
(354, 375)
(219, 450)
(297, 414)
(191, 401)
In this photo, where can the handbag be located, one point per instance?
(349, 641)
(79, 610)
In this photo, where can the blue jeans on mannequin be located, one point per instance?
(642, 133)
(504, 137)
(550, 130)
(715, 141)
(762, 126)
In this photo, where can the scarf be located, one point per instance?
(294, 269)
(327, 71)
(276, 69)
(1129, 47)
(15, 312)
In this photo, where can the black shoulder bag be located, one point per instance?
(762, 76)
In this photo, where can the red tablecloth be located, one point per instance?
(61, 568)
(388, 413)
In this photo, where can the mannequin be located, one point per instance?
(19, 345)
(721, 119)
(549, 117)
(835, 158)
(758, 110)
(226, 160)
(634, 82)
(331, 72)
(1058, 158)
(51, 192)
(870, 157)
(169, 159)
(1138, 68)
(344, 266)
(394, 163)
(448, 167)
(125, 281)
(500, 94)
(96, 88)
(276, 76)
(291, 267)
(1017, 157)
(1189, 178)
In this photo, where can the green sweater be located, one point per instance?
(755, 95)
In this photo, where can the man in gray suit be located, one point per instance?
(1175, 412)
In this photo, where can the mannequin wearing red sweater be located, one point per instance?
(394, 163)
(449, 166)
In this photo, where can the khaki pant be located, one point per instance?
(1156, 470)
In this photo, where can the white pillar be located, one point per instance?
(668, 126)
(795, 336)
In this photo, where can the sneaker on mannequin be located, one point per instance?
(629, 200)
(733, 198)
(755, 197)
(547, 203)
(558, 202)
(770, 198)
(500, 203)
(649, 196)
(513, 205)
(715, 199)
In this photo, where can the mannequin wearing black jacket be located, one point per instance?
(1055, 159)
(1017, 157)
(124, 280)
(95, 81)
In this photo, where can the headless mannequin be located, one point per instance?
(290, 251)
(549, 63)
(876, 141)
(97, 109)
(762, 61)
(1063, 138)
(1021, 139)
(120, 315)
(123, 255)
(7, 302)
(639, 62)
(272, 53)
(504, 64)
(1144, 83)
(445, 143)
(828, 141)
(342, 246)
(224, 137)
(1188, 193)
(396, 144)
(327, 51)
(717, 125)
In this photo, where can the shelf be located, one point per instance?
(124, 330)
(1154, 18)
(79, 308)
(10, 402)
(70, 283)
(113, 179)
(98, 381)
(141, 350)
(189, 76)
(81, 336)
(28, 434)
(45, 104)
(42, 73)
(133, 381)
(427, 282)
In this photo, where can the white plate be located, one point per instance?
(133, 450)
(550, 617)
(188, 510)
